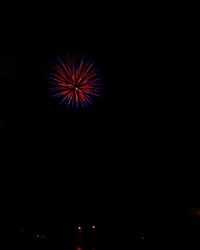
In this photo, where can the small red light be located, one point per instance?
(197, 212)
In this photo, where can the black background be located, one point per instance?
(124, 161)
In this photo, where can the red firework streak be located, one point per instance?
(75, 81)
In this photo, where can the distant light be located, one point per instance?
(40, 236)
(79, 248)
(197, 212)
(79, 228)
(93, 226)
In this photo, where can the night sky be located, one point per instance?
(120, 160)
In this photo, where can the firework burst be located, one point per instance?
(74, 81)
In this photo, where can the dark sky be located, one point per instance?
(122, 151)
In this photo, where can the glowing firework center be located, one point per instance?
(74, 82)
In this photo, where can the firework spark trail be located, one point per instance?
(75, 82)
